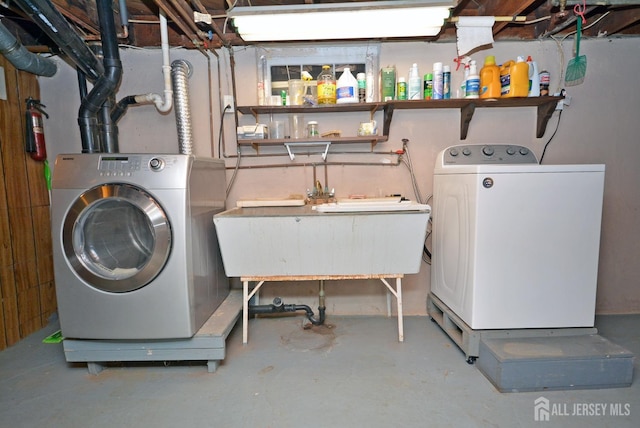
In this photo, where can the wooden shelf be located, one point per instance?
(256, 144)
(545, 108)
(330, 108)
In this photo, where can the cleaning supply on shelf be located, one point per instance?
(428, 86)
(388, 83)
(446, 82)
(534, 78)
(401, 90)
(438, 83)
(472, 83)
(362, 87)
(415, 84)
(514, 78)
(545, 81)
(465, 75)
(326, 86)
(490, 78)
(346, 88)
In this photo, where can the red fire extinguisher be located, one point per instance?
(35, 143)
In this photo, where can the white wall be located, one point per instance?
(600, 126)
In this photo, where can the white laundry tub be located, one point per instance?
(289, 241)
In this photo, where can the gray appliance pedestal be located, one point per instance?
(520, 360)
(208, 344)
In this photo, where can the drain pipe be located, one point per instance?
(21, 58)
(105, 86)
(163, 105)
(180, 73)
(108, 128)
(278, 307)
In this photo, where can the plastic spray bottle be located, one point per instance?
(466, 69)
(472, 86)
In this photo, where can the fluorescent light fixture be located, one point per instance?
(336, 21)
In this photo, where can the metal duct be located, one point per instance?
(47, 17)
(180, 72)
(21, 58)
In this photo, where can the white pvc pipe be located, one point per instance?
(162, 105)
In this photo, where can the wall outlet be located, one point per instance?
(228, 101)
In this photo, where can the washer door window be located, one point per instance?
(117, 237)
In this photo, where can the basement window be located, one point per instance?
(282, 64)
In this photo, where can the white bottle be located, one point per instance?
(438, 84)
(346, 88)
(414, 86)
(463, 85)
(534, 78)
(472, 86)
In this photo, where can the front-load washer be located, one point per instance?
(134, 246)
(515, 243)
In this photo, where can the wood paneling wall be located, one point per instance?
(27, 292)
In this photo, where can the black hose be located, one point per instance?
(121, 107)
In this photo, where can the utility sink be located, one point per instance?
(310, 240)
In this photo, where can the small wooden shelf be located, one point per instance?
(256, 144)
(330, 108)
(545, 108)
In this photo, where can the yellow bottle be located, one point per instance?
(490, 78)
(514, 78)
(326, 86)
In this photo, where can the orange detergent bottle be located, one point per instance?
(490, 78)
(514, 78)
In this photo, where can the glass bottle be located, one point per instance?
(326, 86)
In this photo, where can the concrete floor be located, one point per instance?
(354, 374)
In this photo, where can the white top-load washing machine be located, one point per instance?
(135, 250)
(515, 243)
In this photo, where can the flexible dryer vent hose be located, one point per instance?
(180, 72)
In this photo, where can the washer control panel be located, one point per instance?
(488, 154)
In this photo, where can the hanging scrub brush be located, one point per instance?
(577, 66)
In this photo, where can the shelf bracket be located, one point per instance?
(291, 145)
(466, 114)
(544, 114)
(388, 115)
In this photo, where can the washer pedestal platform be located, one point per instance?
(208, 344)
(538, 359)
